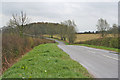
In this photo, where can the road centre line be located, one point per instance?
(110, 57)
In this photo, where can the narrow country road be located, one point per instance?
(100, 63)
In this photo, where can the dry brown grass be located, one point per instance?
(86, 37)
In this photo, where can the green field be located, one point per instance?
(46, 61)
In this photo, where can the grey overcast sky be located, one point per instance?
(85, 14)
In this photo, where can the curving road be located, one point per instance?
(100, 63)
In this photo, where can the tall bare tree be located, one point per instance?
(19, 21)
(102, 27)
(71, 30)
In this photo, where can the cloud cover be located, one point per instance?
(85, 14)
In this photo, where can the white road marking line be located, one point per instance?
(110, 57)
(91, 51)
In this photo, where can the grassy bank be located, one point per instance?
(15, 46)
(46, 61)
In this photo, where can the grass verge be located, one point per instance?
(98, 47)
(46, 61)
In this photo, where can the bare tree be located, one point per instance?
(102, 27)
(19, 21)
(115, 30)
(70, 30)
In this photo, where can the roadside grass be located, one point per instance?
(99, 47)
(46, 61)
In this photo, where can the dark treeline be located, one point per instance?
(42, 28)
(87, 32)
(65, 30)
